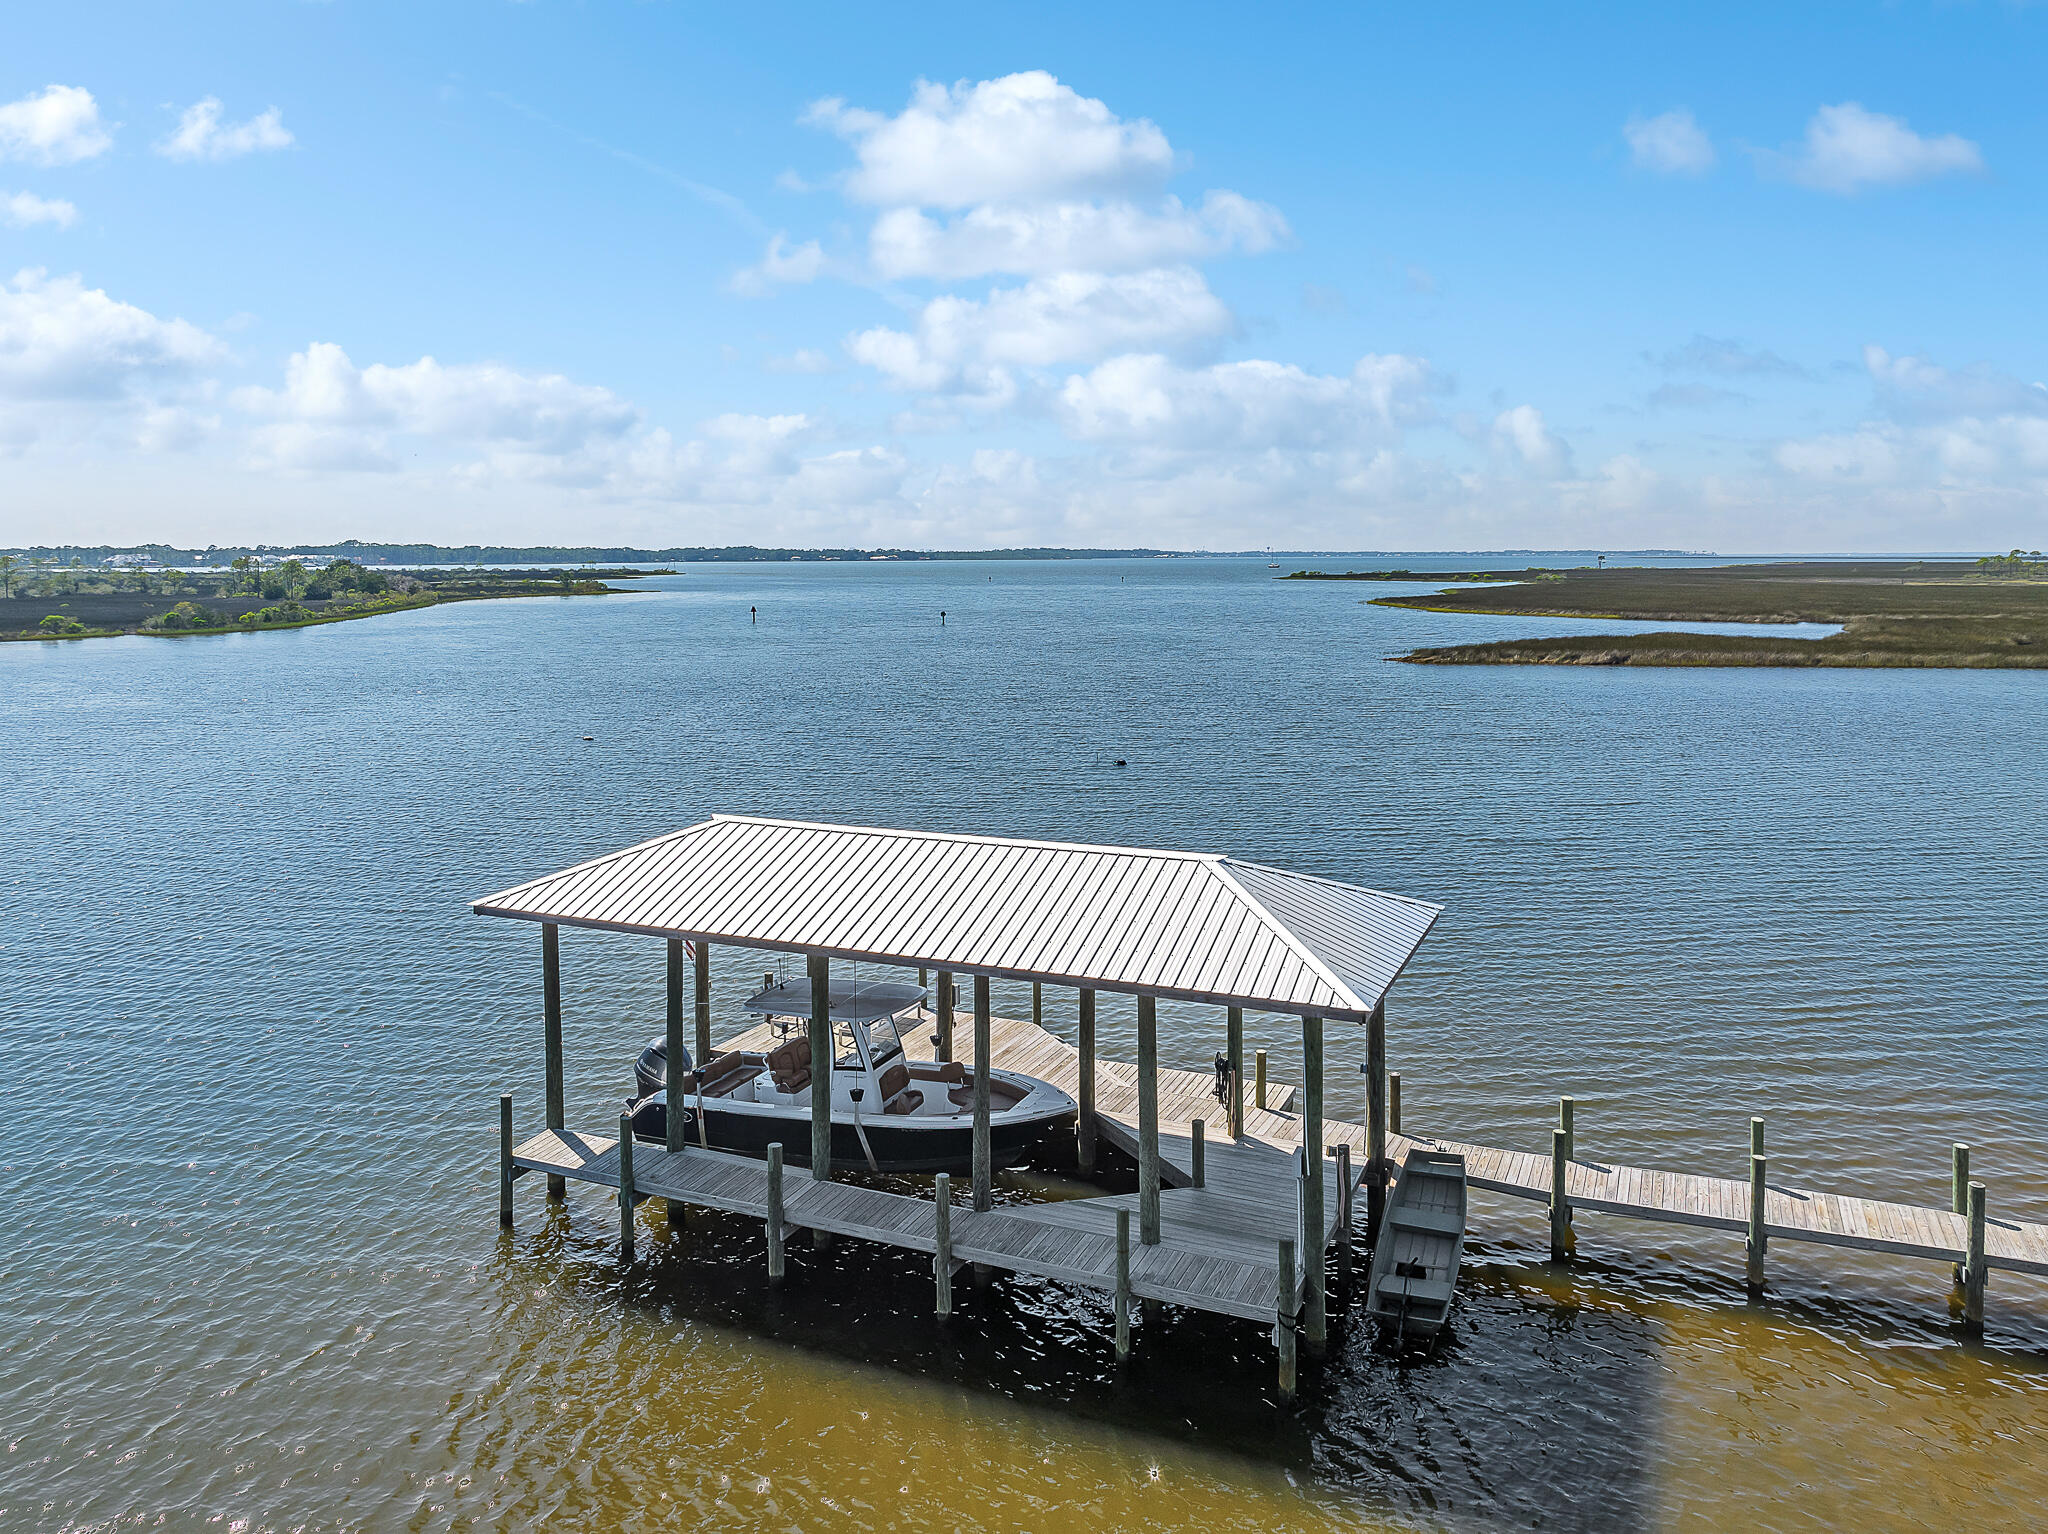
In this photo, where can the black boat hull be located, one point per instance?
(898, 1146)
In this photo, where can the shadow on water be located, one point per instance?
(1529, 1410)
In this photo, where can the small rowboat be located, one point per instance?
(1421, 1243)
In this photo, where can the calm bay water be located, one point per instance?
(251, 1273)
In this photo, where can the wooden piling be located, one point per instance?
(703, 1001)
(1037, 1004)
(1754, 1246)
(678, 952)
(820, 970)
(942, 1247)
(551, 1012)
(943, 1050)
(505, 1159)
(1197, 1170)
(1376, 1165)
(1123, 1285)
(1148, 1121)
(775, 1258)
(1756, 1136)
(1959, 1187)
(625, 1187)
(1283, 1326)
(1259, 1079)
(1316, 1329)
(1344, 1216)
(1394, 1101)
(1566, 1111)
(1233, 1048)
(1085, 1133)
(984, 1155)
(1976, 1273)
(1560, 1206)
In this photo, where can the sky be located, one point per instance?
(1748, 279)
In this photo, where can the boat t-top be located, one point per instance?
(890, 1113)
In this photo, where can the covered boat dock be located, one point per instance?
(1230, 1221)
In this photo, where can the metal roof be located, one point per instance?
(1195, 926)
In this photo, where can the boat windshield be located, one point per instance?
(884, 1042)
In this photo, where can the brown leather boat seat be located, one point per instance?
(942, 1070)
(897, 1097)
(790, 1065)
(724, 1072)
(963, 1097)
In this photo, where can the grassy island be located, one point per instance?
(1944, 613)
(78, 603)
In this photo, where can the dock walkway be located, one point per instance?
(1596, 1186)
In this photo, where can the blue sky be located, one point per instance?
(1745, 279)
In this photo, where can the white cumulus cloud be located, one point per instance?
(1068, 317)
(1848, 148)
(782, 262)
(21, 209)
(201, 135)
(1029, 239)
(1238, 405)
(1671, 143)
(55, 126)
(1022, 138)
(62, 341)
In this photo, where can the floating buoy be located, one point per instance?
(593, 737)
(1119, 761)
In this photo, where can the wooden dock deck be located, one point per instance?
(1218, 1247)
(1638, 1193)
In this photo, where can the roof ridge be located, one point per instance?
(968, 836)
(1306, 954)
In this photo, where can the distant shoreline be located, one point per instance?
(1894, 614)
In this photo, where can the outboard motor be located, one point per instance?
(650, 1071)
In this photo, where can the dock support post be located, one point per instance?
(1123, 1285)
(1560, 1206)
(1376, 1167)
(703, 1000)
(1084, 1121)
(984, 1157)
(625, 1187)
(942, 1244)
(1316, 1229)
(1756, 1138)
(551, 1012)
(775, 1261)
(505, 1159)
(1959, 1187)
(944, 1047)
(1344, 1217)
(1973, 1279)
(1566, 1112)
(673, 1081)
(1148, 1121)
(1754, 1276)
(1233, 1049)
(1037, 1004)
(820, 969)
(1259, 1079)
(1283, 1324)
(1394, 1101)
(1199, 1129)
